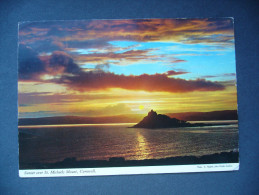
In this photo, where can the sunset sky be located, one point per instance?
(113, 67)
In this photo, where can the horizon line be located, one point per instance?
(123, 114)
(69, 125)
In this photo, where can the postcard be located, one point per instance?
(130, 96)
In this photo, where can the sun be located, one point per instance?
(141, 107)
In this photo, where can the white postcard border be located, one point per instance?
(128, 170)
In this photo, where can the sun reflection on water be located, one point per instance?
(142, 149)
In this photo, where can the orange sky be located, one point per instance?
(112, 67)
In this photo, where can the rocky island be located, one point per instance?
(154, 121)
(158, 121)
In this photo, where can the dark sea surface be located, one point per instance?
(101, 142)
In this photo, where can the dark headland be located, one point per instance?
(157, 121)
(223, 157)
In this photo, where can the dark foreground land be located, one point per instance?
(224, 157)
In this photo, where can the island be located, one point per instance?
(158, 121)
(154, 121)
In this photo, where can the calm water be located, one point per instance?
(101, 142)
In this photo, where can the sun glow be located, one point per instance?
(141, 107)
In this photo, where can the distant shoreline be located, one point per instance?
(223, 157)
(128, 118)
(211, 123)
(72, 125)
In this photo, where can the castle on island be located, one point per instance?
(152, 113)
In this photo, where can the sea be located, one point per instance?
(54, 143)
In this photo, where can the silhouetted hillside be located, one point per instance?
(80, 120)
(206, 116)
(154, 121)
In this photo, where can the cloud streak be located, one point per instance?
(60, 68)
(129, 56)
(172, 73)
(73, 33)
(99, 80)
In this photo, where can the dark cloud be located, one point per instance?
(178, 61)
(72, 76)
(220, 39)
(84, 44)
(172, 72)
(208, 76)
(94, 33)
(220, 24)
(100, 80)
(46, 46)
(61, 63)
(61, 59)
(219, 75)
(29, 64)
(57, 32)
(31, 67)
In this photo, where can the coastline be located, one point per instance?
(223, 157)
